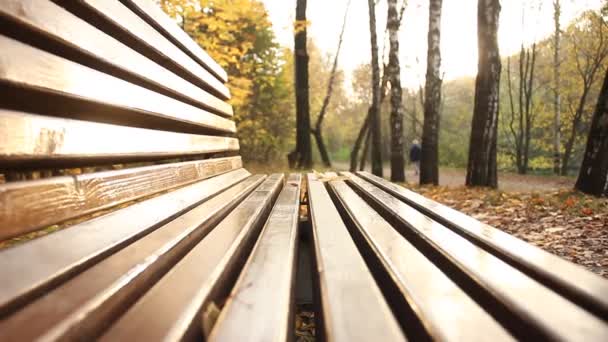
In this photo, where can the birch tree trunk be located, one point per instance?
(302, 156)
(481, 170)
(429, 162)
(593, 175)
(375, 108)
(556, 96)
(394, 70)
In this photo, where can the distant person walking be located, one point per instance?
(415, 152)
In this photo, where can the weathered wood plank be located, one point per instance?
(117, 20)
(54, 258)
(90, 301)
(196, 286)
(346, 286)
(26, 67)
(33, 138)
(414, 281)
(260, 306)
(52, 28)
(154, 16)
(572, 281)
(524, 306)
(30, 205)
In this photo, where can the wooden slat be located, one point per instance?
(171, 310)
(570, 280)
(414, 281)
(30, 205)
(52, 28)
(260, 307)
(33, 138)
(117, 20)
(526, 307)
(52, 259)
(154, 16)
(90, 301)
(25, 67)
(352, 307)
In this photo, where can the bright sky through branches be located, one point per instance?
(459, 30)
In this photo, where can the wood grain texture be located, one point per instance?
(31, 205)
(154, 16)
(52, 28)
(576, 283)
(524, 306)
(92, 300)
(26, 137)
(117, 20)
(201, 280)
(28, 67)
(346, 286)
(54, 258)
(260, 307)
(414, 281)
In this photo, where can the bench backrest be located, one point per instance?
(103, 85)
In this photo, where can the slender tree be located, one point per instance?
(429, 162)
(593, 175)
(481, 170)
(556, 85)
(317, 131)
(302, 156)
(394, 71)
(375, 108)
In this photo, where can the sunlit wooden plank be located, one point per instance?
(159, 20)
(261, 305)
(54, 29)
(346, 286)
(201, 280)
(34, 138)
(29, 68)
(49, 262)
(31, 205)
(83, 306)
(526, 307)
(573, 281)
(117, 20)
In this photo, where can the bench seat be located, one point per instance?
(118, 151)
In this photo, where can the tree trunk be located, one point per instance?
(365, 153)
(302, 156)
(394, 72)
(375, 108)
(593, 175)
(354, 154)
(578, 116)
(556, 95)
(481, 170)
(330, 88)
(429, 163)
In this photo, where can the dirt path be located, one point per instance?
(510, 182)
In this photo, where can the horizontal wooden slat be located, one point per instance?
(526, 307)
(570, 280)
(81, 245)
(52, 28)
(414, 281)
(154, 16)
(90, 301)
(33, 138)
(173, 309)
(30, 205)
(260, 307)
(117, 20)
(351, 304)
(31, 68)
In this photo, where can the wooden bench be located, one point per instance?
(164, 235)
